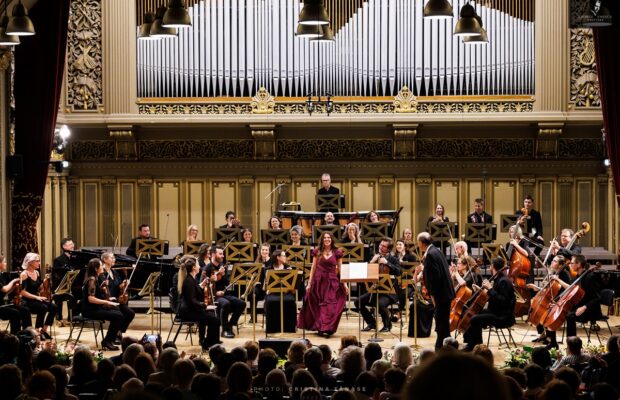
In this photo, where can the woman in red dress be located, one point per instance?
(325, 294)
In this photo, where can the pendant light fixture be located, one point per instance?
(327, 35)
(309, 31)
(145, 28)
(313, 13)
(19, 23)
(176, 15)
(6, 40)
(157, 29)
(438, 9)
(467, 25)
(482, 38)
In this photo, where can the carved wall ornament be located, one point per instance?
(565, 179)
(581, 148)
(264, 141)
(547, 140)
(584, 86)
(195, 149)
(405, 101)
(386, 180)
(404, 141)
(474, 148)
(5, 59)
(423, 180)
(333, 149)
(85, 57)
(263, 102)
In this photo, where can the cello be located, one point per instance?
(520, 267)
(462, 296)
(476, 303)
(542, 301)
(565, 302)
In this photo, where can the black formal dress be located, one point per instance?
(591, 285)
(408, 257)
(367, 300)
(289, 305)
(114, 282)
(499, 313)
(92, 287)
(439, 285)
(230, 306)
(258, 293)
(191, 308)
(45, 310)
(18, 316)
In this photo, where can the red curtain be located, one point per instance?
(39, 68)
(608, 64)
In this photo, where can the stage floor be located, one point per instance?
(522, 333)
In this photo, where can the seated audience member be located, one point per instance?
(215, 352)
(366, 386)
(352, 363)
(206, 387)
(122, 374)
(483, 351)
(267, 361)
(394, 380)
(574, 354)
(542, 357)
(295, 356)
(311, 394)
(202, 366)
(515, 391)
(42, 385)
(60, 375)
(83, 368)
(11, 378)
(166, 361)
(129, 355)
(535, 381)
(313, 358)
(343, 394)
(251, 348)
(103, 380)
(275, 387)
(134, 386)
(144, 367)
(379, 368)
(183, 372)
(302, 379)
(239, 379)
(570, 376)
(126, 341)
(613, 349)
(603, 391)
(239, 354)
(372, 353)
(556, 390)
(402, 357)
(517, 374)
(327, 367)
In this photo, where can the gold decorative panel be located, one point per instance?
(503, 201)
(304, 192)
(404, 198)
(474, 191)
(363, 195)
(127, 212)
(447, 193)
(545, 205)
(584, 86)
(223, 199)
(196, 209)
(91, 215)
(167, 212)
(265, 205)
(585, 205)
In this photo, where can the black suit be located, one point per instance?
(475, 218)
(591, 285)
(439, 285)
(59, 269)
(499, 313)
(191, 307)
(368, 300)
(534, 227)
(568, 254)
(332, 190)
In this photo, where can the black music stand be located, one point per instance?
(280, 281)
(407, 273)
(374, 231)
(242, 275)
(275, 237)
(329, 202)
(298, 253)
(225, 235)
(335, 230)
(442, 233)
(492, 250)
(507, 220)
(241, 252)
(157, 248)
(64, 288)
(384, 285)
(479, 233)
(192, 246)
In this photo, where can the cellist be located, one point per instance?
(465, 272)
(566, 236)
(558, 273)
(114, 281)
(500, 310)
(589, 308)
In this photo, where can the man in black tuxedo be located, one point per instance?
(438, 284)
(500, 312)
(560, 248)
(60, 267)
(533, 223)
(327, 188)
(479, 216)
(144, 232)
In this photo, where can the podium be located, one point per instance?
(359, 272)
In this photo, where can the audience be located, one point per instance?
(402, 357)
(574, 356)
(166, 361)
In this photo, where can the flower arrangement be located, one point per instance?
(595, 351)
(518, 357)
(64, 356)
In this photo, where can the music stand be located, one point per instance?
(298, 253)
(480, 233)
(152, 247)
(225, 235)
(359, 272)
(492, 250)
(64, 288)
(329, 202)
(149, 289)
(374, 231)
(240, 252)
(383, 286)
(280, 281)
(407, 272)
(275, 236)
(507, 220)
(242, 274)
(443, 232)
(335, 230)
(192, 246)
(352, 252)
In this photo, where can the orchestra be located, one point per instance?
(448, 286)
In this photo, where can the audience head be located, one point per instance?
(556, 390)
(251, 348)
(603, 391)
(352, 361)
(134, 386)
(295, 353)
(206, 386)
(570, 376)
(451, 342)
(166, 359)
(426, 355)
(60, 375)
(105, 370)
(535, 376)
(613, 344)
(11, 378)
(372, 353)
(42, 385)
(327, 353)
(574, 345)
(144, 366)
(542, 357)
(379, 367)
(122, 374)
(310, 394)
(481, 350)
(267, 361)
(183, 373)
(239, 378)
(343, 394)
(348, 340)
(215, 352)
(366, 383)
(394, 379)
(224, 362)
(239, 353)
(84, 366)
(275, 384)
(45, 359)
(402, 357)
(201, 365)
(518, 375)
(302, 379)
(313, 359)
(130, 354)
(515, 391)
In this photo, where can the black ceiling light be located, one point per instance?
(467, 25)
(157, 28)
(19, 23)
(438, 9)
(145, 28)
(7, 40)
(313, 13)
(482, 38)
(176, 15)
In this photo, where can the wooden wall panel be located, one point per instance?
(545, 204)
(265, 205)
(108, 211)
(74, 215)
(246, 203)
(504, 201)
(423, 202)
(601, 222)
(564, 207)
(304, 192)
(363, 195)
(223, 199)
(585, 203)
(196, 208)
(127, 202)
(167, 212)
(404, 198)
(447, 193)
(91, 214)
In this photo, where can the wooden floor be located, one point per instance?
(522, 334)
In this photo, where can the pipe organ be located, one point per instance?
(234, 47)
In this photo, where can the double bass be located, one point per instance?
(565, 302)
(520, 268)
(476, 303)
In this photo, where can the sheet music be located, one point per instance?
(358, 270)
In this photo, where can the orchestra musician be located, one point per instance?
(19, 317)
(326, 185)
(351, 234)
(60, 267)
(144, 233)
(191, 304)
(589, 308)
(461, 249)
(515, 232)
(372, 217)
(407, 235)
(465, 272)
(258, 293)
(275, 223)
(401, 254)
(479, 216)
(534, 221)
(438, 217)
(329, 218)
(325, 294)
(560, 248)
(231, 221)
(247, 235)
(229, 304)
(36, 304)
(438, 284)
(192, 233)
(114, 282)
(297, 236)
(97, 304)
(558, 272)
(272, 300)
(203, 256)
(501, 305)
(383, 258)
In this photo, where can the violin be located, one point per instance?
(209, 298)
(17, 299)
(123, 297)
(105, 289)
(45, 290)
(476, 303)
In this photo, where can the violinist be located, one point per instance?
(351, 234)
(228, 303)
(561, 248)
(401, 253)
(438, 217)
(144, 233)
(438, 284)
(533, 221)
(203, 256)
(18, 316)
(97, 303)
(258, 293)
(231, 221)
(36, 304)
(60, 267)
(407, 235)
(500, 310)
(465, 272)
(192, 306)
(275, 222)
(272, 301)
(386, 260)
(247, 235)
(559, 273)
(297, 236)
(589, 308)
(114, 283)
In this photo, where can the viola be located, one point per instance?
(476, 303)
(564, 303)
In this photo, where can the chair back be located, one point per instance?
(607, 297)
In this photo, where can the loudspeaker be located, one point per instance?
(15, 166)
(280, 346)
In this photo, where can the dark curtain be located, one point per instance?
(608, 64)
(39, 66)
